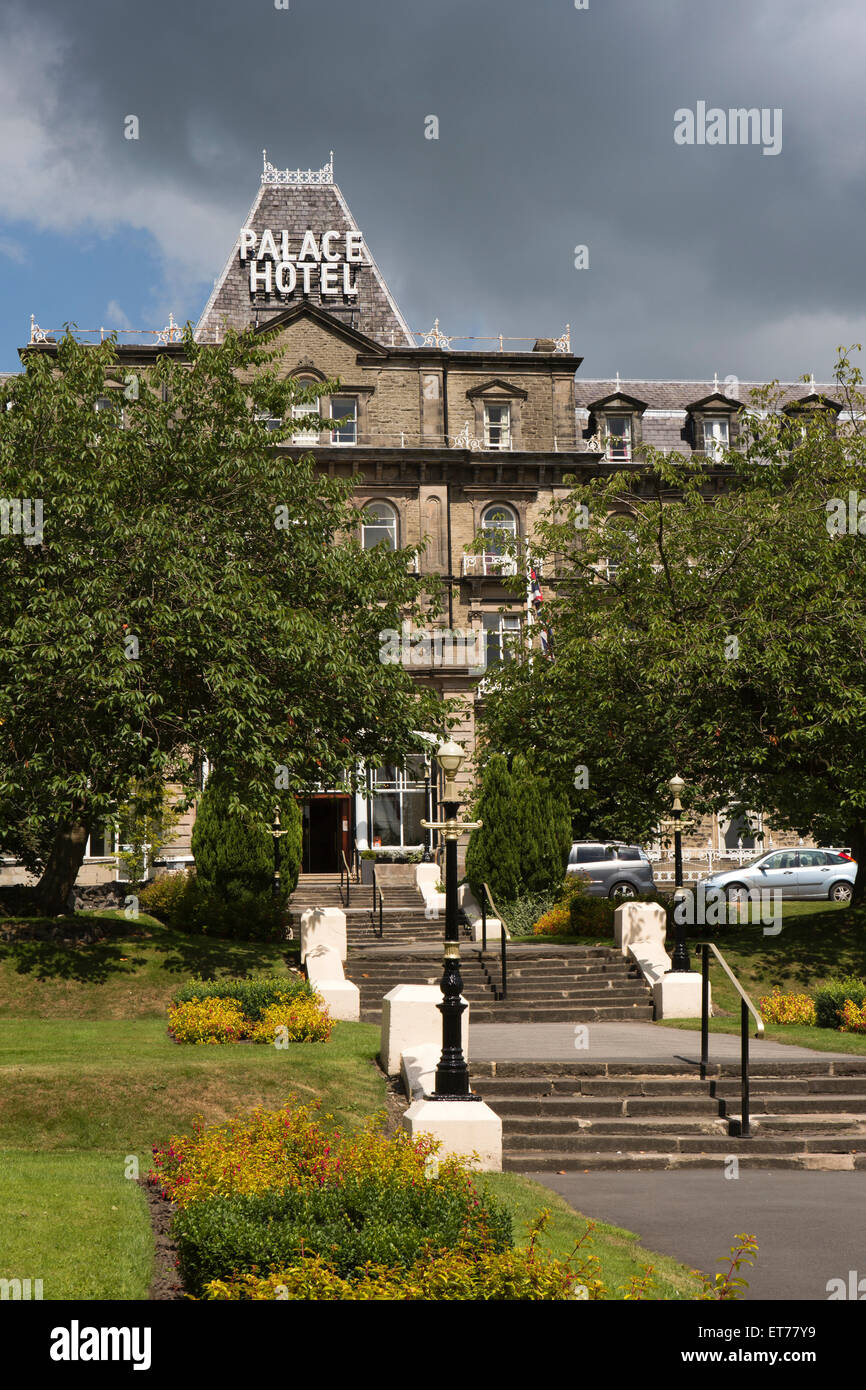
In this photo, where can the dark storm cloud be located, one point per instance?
(556, 129)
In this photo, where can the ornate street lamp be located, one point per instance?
(680, 960)
(277, 832)
(452, 1073)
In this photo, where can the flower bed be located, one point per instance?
(261, 1011)
(277, 1204)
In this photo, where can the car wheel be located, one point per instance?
(623, 890)
(841, 893)
(737, 893)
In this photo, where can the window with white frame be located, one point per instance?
(311, 434)
(716, 437)
(500, 633)
(380, 528)
(499, 528)
(399, 801)
(345, 410)
(270, 422)
(621, 537)
(497, 426)
(618, 437)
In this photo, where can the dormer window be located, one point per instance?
(615, 425)
(618, 436)
(714, 427)
(497, 426)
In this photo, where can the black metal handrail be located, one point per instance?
(746, 1008)
(486, 897)
(377, 892)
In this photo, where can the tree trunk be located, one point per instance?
(857, 839)
(60, 872)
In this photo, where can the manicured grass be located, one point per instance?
(77, 1223)
(121, 1087)
(89, 1080)
(620, 1255)
(809, 950)
(132, 973)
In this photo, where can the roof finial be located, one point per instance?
(715, 381)
(617, 381)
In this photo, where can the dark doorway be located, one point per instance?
(326, 833)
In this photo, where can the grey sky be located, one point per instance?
(556, 129)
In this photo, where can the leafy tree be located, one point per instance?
(717, 630)
(189, 593)
(146, 820)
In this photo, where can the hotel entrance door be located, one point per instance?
(327, 829)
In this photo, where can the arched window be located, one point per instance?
(499, 529)
(380, 528)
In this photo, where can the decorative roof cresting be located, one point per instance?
(270, 174)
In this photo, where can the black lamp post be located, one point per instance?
(452, 1073)
(276, 832)
(680, 961)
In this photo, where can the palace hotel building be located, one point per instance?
(450, 439)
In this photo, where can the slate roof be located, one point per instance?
(298, 208)
(678, 395)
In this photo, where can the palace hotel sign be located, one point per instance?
(281, 264)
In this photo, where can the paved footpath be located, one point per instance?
(811, 1227)
(618, 1042)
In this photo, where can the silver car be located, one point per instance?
(796, 873)
(613, 869)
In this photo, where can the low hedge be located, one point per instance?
(369, 1221)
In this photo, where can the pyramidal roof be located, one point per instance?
(301, 244)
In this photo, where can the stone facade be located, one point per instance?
(441, 436)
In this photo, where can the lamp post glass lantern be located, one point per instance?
(452, 1073)
(680, 961)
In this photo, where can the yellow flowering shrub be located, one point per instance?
(787, 1008)
(554, 922)
(304, 1020)
(294, 1018)
(852, 1019)
(207, 1021)
(290, 1147)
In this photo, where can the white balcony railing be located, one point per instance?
(488, 565)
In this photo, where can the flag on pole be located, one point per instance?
(536, 598)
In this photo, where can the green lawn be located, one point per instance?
(811, 948)
(90, 1081)
(132, 973)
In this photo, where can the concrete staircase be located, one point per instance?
(566, 984)
(638, 1115)
(403, 919)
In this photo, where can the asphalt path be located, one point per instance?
(810, 1226)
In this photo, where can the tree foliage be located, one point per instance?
(716, 628)
(194, 593)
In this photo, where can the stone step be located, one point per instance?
(838, 1067)
(542, 1161)
(574, 1108)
